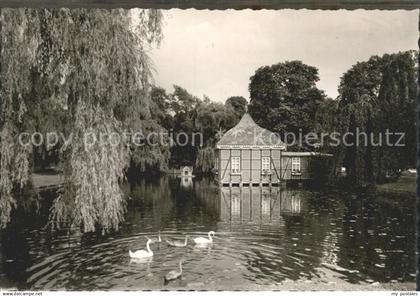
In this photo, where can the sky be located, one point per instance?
(214, 53)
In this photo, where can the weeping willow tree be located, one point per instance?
(18, 40)
(94, 65)
(205, 161)
(377, 96)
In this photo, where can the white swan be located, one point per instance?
(142, 253)
(203, 240)
(147, 260)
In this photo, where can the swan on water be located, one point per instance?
(174, 274)
(178, 243)
(158, 240)
(203, 240)
(143, 260)
(142, 253)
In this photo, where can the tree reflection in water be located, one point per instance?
(263, 235)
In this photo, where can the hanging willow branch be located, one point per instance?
(107, 68)
(92, 64)
(93, 196)
(18, 40)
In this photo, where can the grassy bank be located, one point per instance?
(406, 183)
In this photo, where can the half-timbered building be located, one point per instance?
(248, 154)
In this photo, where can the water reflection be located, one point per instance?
(263, 236)
(260, 204)
(186, 182)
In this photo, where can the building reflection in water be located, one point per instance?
(263, 204)
(186, 182)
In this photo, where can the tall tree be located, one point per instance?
(369, 94)
(161, 109)
(98, 68)
(238, 104)
(195, 124)
(284, 97)
(18, 43)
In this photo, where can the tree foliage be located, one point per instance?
(376, 96)
(284, 97)
(202, 120)
(18, 40)
(93, 64)
(239, 106)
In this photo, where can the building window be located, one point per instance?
(265, 164)
(235, 166)
(295, 165)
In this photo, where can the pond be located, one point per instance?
(264, 236)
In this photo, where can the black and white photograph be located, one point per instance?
(208, 150)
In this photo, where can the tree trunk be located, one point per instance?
(351, 152)
(369, 176)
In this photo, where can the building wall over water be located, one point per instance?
(266, 166)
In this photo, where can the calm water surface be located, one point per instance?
(263, 236)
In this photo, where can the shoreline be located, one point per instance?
(406, 183)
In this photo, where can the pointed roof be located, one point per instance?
(248, 133)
